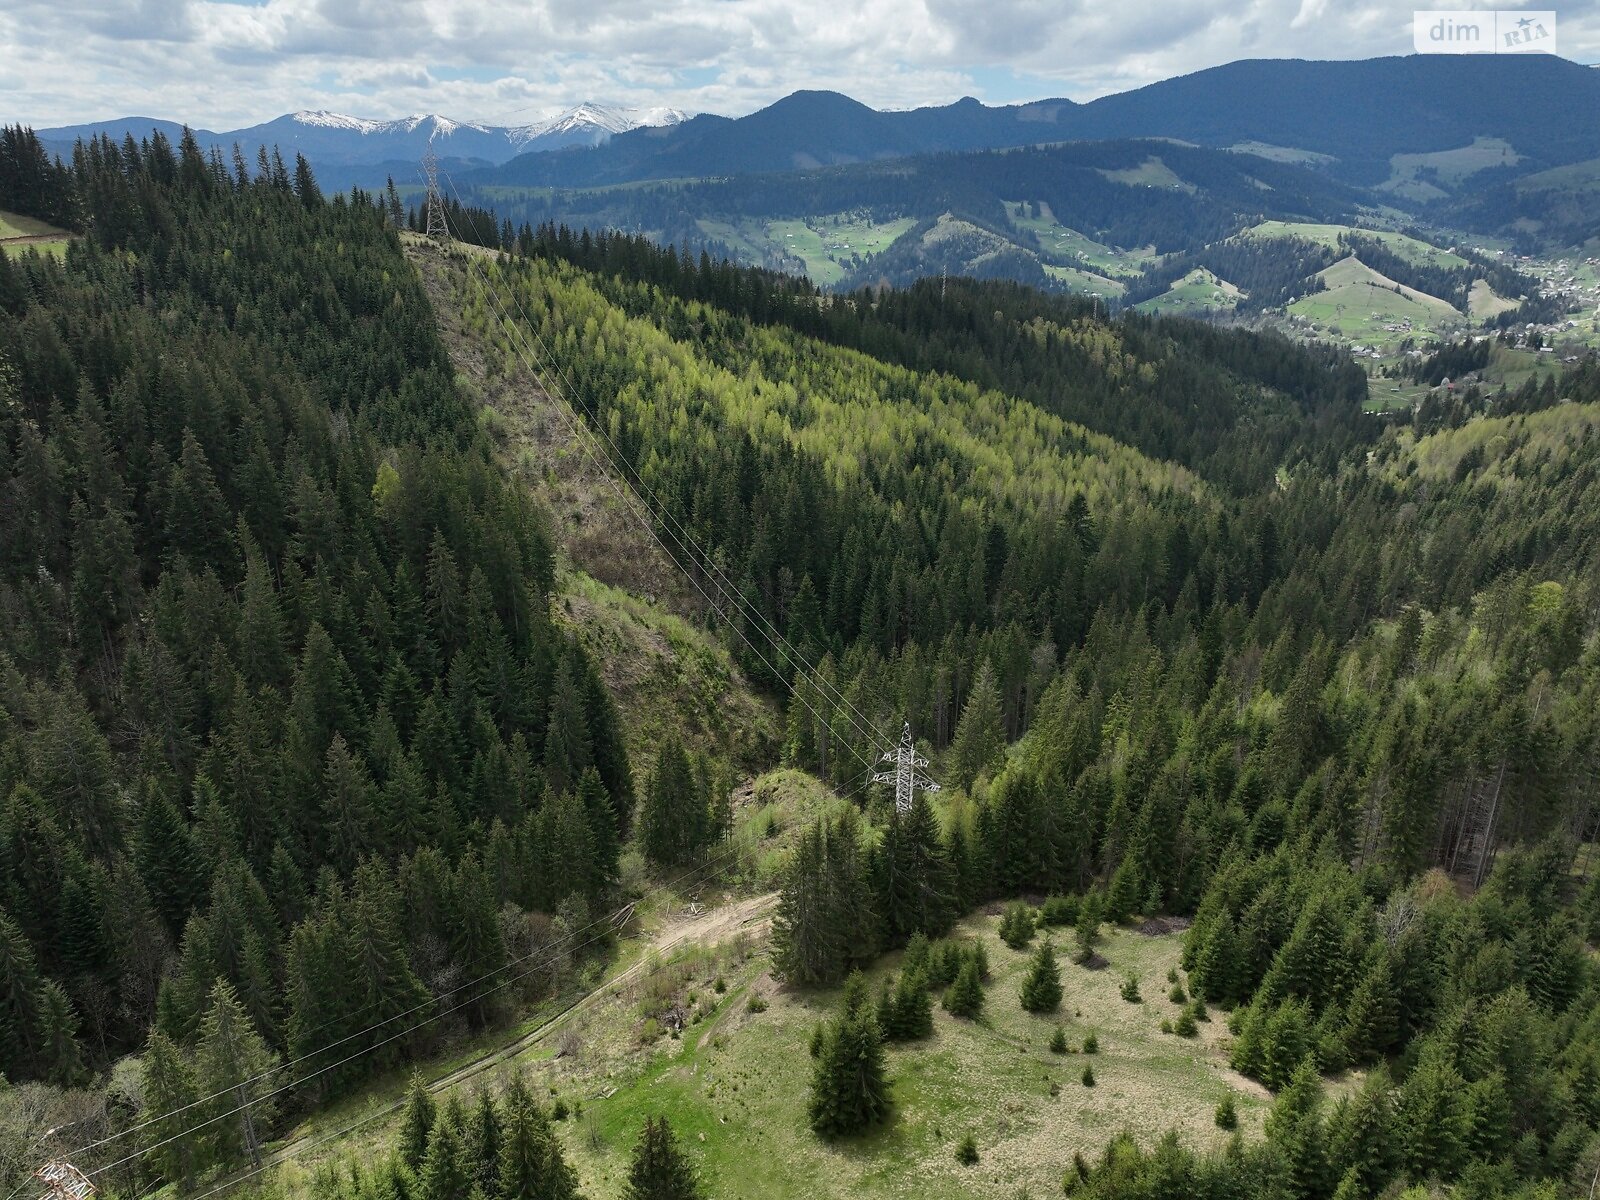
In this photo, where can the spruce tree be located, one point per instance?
(58, 1038)
(660, 1170)
(915, 883)
(825, 923)
(910, 1009)
(21, 1001)
(980, 734)
(231, 1064)
(416, 1122)
(1371, 1022)
(1361, 1135)
(1432, 1117)
(1017, 925)
(446, 1174)
(169, 1091)
(674, 820)
(964, 997)
(1041, 990)
(569, 751)
(849, 1086)
(532, 1166)
(1294, 1129)
(1088, 929)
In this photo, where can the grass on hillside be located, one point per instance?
(1152, 172)
(1362, 306)
(1198, 293)
(1412, 249)
(1483, 303)
(1282, 154)
(1084, 283)
(688, 1022)
(833, 246)
(34, 234)
(828, 247)
(1058, 241)
(666, 674)
(1413, 175)
(734, 1084)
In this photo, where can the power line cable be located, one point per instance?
(672, 525)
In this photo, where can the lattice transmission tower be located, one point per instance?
(65, 1181)
(907, 762)
(438, 230)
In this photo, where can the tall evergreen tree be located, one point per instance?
(849, 1086)
(660, 1170)
(231, 1064)
(532, 1166)
(416, 1122)
(980, 734)
(674, 819)
(1041, 988)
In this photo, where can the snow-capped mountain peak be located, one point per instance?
(431, 123)
(323, 119)
(593, 123)
(442, 126)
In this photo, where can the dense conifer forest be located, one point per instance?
(292, 750)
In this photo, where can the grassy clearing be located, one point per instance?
(51, 246)
(688, 1022)
(1407, 247)
(1152, 172)
(20, 234)
(1386, 395)
(1363, 307)
(1483, 303)
(1197, 293)
(13, 225)
(1058, 241)
(833, 246)
(734, 1085)
(1283, 154)
(770, 816)
(682, 937)
(1085, 282)
(1429, 176)
(1513, 367)
(827, 248)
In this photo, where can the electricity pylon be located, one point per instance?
(906, 781)
(438, 231)
(65, 1181)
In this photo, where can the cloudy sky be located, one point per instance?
(222, 64)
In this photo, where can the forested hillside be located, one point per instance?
(293, 752)
(1302, 715)
(290, 749)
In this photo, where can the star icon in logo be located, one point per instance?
(1524, 23)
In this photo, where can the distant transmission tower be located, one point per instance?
(438, 231)
(906, 781)
(65, 1181)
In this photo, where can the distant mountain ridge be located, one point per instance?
(1358, 112)
(333, 140)
(1519, 114)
